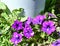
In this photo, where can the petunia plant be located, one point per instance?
(19, 30)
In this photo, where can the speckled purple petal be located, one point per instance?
(38, 19)
(17, 25)
(28, 32)
(29, 20)
(16, 38)
(51, 23)
(48, 27)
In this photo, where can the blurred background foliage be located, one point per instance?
(52, 5)
(49, 5)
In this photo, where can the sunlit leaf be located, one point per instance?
(24, 18)
(5, 16)
(2, 5)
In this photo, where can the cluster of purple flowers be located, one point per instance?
(27, 31)
(47, 27)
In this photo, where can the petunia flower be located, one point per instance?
(16, 38)
(52, 15)
(48, 27)
(28, 32)
(39, 19)
(29, 20)
(56, 43)
(17, 25)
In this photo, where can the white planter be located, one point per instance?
(30, 6)
(39, 6)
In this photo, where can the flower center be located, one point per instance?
(48, 27)
(17, 37)
(28, 32)
(17, 25)
(39, 20)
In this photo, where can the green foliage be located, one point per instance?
(2, 6)
(49, 5)
(6, 20)
(24, 18)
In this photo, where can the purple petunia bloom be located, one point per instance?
(48, 27)
(39, 19)
(17, 25)
(56, 43)
(29, 20)
(16, 38)
(52, 15)
(28, 33)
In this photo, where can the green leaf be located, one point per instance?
(24, 18)
(5, 16)
(4, 8)
(2, 5)
(58, 15)
(5, 29)
(43, 34)
(49, 5)
(18, 12)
